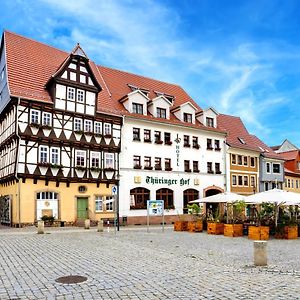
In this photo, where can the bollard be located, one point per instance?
(41, 227)
(100, 226)
(260, 253)
(87, 224)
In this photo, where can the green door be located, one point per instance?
(82, 208)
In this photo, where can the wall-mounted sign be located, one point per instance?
(177, 149)
(82, 189)
(167, 181)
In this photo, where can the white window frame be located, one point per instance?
(252, 178)
(109, 203)
(77, 121)
(57, 150)
(95, 155)
(279, 168)
(236, 183)
(97, 127)
(71, 91)
(43, 150)
(80, 153)
(245, 176)
(88, 126)
(80, 96)
(46, 116)
(37, 114)
(109, 157)
(107, 129)
(99, 199)
(268, 164)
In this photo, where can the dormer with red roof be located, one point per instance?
(136, 102)
(74, 86)
(185, 112)
(208, 117)
(159, 107)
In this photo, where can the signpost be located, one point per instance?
(114, 191)
(155, 208)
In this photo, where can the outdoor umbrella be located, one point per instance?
(226, 197)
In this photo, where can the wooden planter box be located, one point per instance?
(289, 233)
(258, 232)
(215, 228)
(233, 230)
(195, 226)
(181, 226)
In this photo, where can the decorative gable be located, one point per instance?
(185, 112)
(136, 102)
(159, 107)
(208, 117)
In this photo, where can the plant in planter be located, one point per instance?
(48, 220)
(265, 219)
(287, 227)
(196, 225)
(236, 217)
(181, 224)
(215, 222)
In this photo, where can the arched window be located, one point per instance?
(189, 195)
(139, 197)
(46, 205)
(167, 196)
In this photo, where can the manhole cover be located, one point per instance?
(71, 279)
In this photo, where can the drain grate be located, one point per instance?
(71, 279)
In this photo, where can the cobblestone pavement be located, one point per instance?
(134, 264)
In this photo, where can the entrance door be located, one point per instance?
(82, 208)
(5, 210)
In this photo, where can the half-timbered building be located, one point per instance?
(59, 135)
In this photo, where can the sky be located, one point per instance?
(240, 57)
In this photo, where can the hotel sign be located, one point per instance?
(177, 141)
(167, 181)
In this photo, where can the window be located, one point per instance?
(240, 160)
(240, 180)
(35, 117)
(276, 168)
(80, 158)
(245, 160)
(252, 162)
(107, 129)
(252, 181)
(47, 204)
(266, 186)
(297, 184)
(189, 195)
(136, 162)
(217, 168)
(109, 203)
(168, 164)
(109, 160)
(88, 126)
(95, 159)
(168, 138)
(70, 93)
(157, 163)
(139, 198)
(46, 119)
(209, 144)
(55, 156)
(77, 124)
(136, 134)
(147, 162)
(43, 154)
(195, 166)
(137, 108)
(292, 184)
(217, 145)
(98, 203)
(209, 122)
(195, 142)
(289, 183)
(97, 127)
(161, 113)
(246, 181)
(268, 167)
(157, 137)
(186, 141)
(80, 96)
(167, 196)
(233, 178)
(187, 118)
(209, 168)
(187, 166)
(147, 135)
(233, 159)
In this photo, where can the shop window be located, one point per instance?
(139, 197)
(189, 195)
(166, 195)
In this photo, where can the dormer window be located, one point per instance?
(161, 113)
(187, 118)
(70, 93)
(209, 122)
(137, 108)
(241, 140)
(80, 96)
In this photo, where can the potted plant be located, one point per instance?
(287, 227)
(215, 223)
(236, 217)
(196, 224)
(265, 219)
(48, 220)
(181, 224)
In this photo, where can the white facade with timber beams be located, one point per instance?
(59, 151)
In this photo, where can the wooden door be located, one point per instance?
(82, 208)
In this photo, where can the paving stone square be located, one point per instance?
(134, 264)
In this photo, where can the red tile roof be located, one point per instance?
(237, 132)
(289, 155)
(30, 64)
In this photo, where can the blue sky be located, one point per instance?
(241, 57)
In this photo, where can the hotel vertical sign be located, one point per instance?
(177, 141)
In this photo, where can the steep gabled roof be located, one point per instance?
(289, 155)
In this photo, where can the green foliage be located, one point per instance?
(195, 210)
(236, 212)
(48, 219)
(266, 214)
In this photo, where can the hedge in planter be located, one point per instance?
(236, 216)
